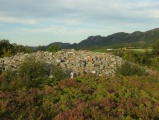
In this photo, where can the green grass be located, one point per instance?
(140, 50)
(135, 50)
(101, 50)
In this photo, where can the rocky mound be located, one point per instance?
(73, 62)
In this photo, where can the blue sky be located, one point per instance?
(40, 22)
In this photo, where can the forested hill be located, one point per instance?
(136, 38)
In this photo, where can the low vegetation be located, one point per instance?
(85, 97)
(156, 48)
(130, 69)
(144, 57)
(32, 68)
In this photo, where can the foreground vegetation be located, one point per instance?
(85, 97)
(32, 95)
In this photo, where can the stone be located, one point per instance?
(67, 61)
(89, 59)
(80, 62)
(58, 60)
(72, 75)
(93, 72)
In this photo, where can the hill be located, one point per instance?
(137, 38)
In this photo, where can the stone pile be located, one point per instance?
(74, 63)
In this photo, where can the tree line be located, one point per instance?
(7, 49)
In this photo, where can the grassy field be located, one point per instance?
(135, 50)
(140, 50)
(102, 50)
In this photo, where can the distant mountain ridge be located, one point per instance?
(120, 38)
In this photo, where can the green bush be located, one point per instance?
(32, 68)
(155, 48)
(57, 73)
(130, 69)
(155, 63)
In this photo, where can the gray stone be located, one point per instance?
(80, 62)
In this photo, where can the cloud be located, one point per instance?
(7, 19)
(75, 20)
(42, 30)
(79, 11)
(83, 10)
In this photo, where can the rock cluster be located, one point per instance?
(74, 63)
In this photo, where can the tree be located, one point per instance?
(21, 48)
(28, 49)
(6, 49)
(41, 48)
(54, 48)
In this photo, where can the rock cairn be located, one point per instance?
(74, 63)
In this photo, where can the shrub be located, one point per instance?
(155, 48)
(57, 73)
(32, 68)
(155, 62)
(130, 69)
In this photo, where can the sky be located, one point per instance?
(41, 22)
